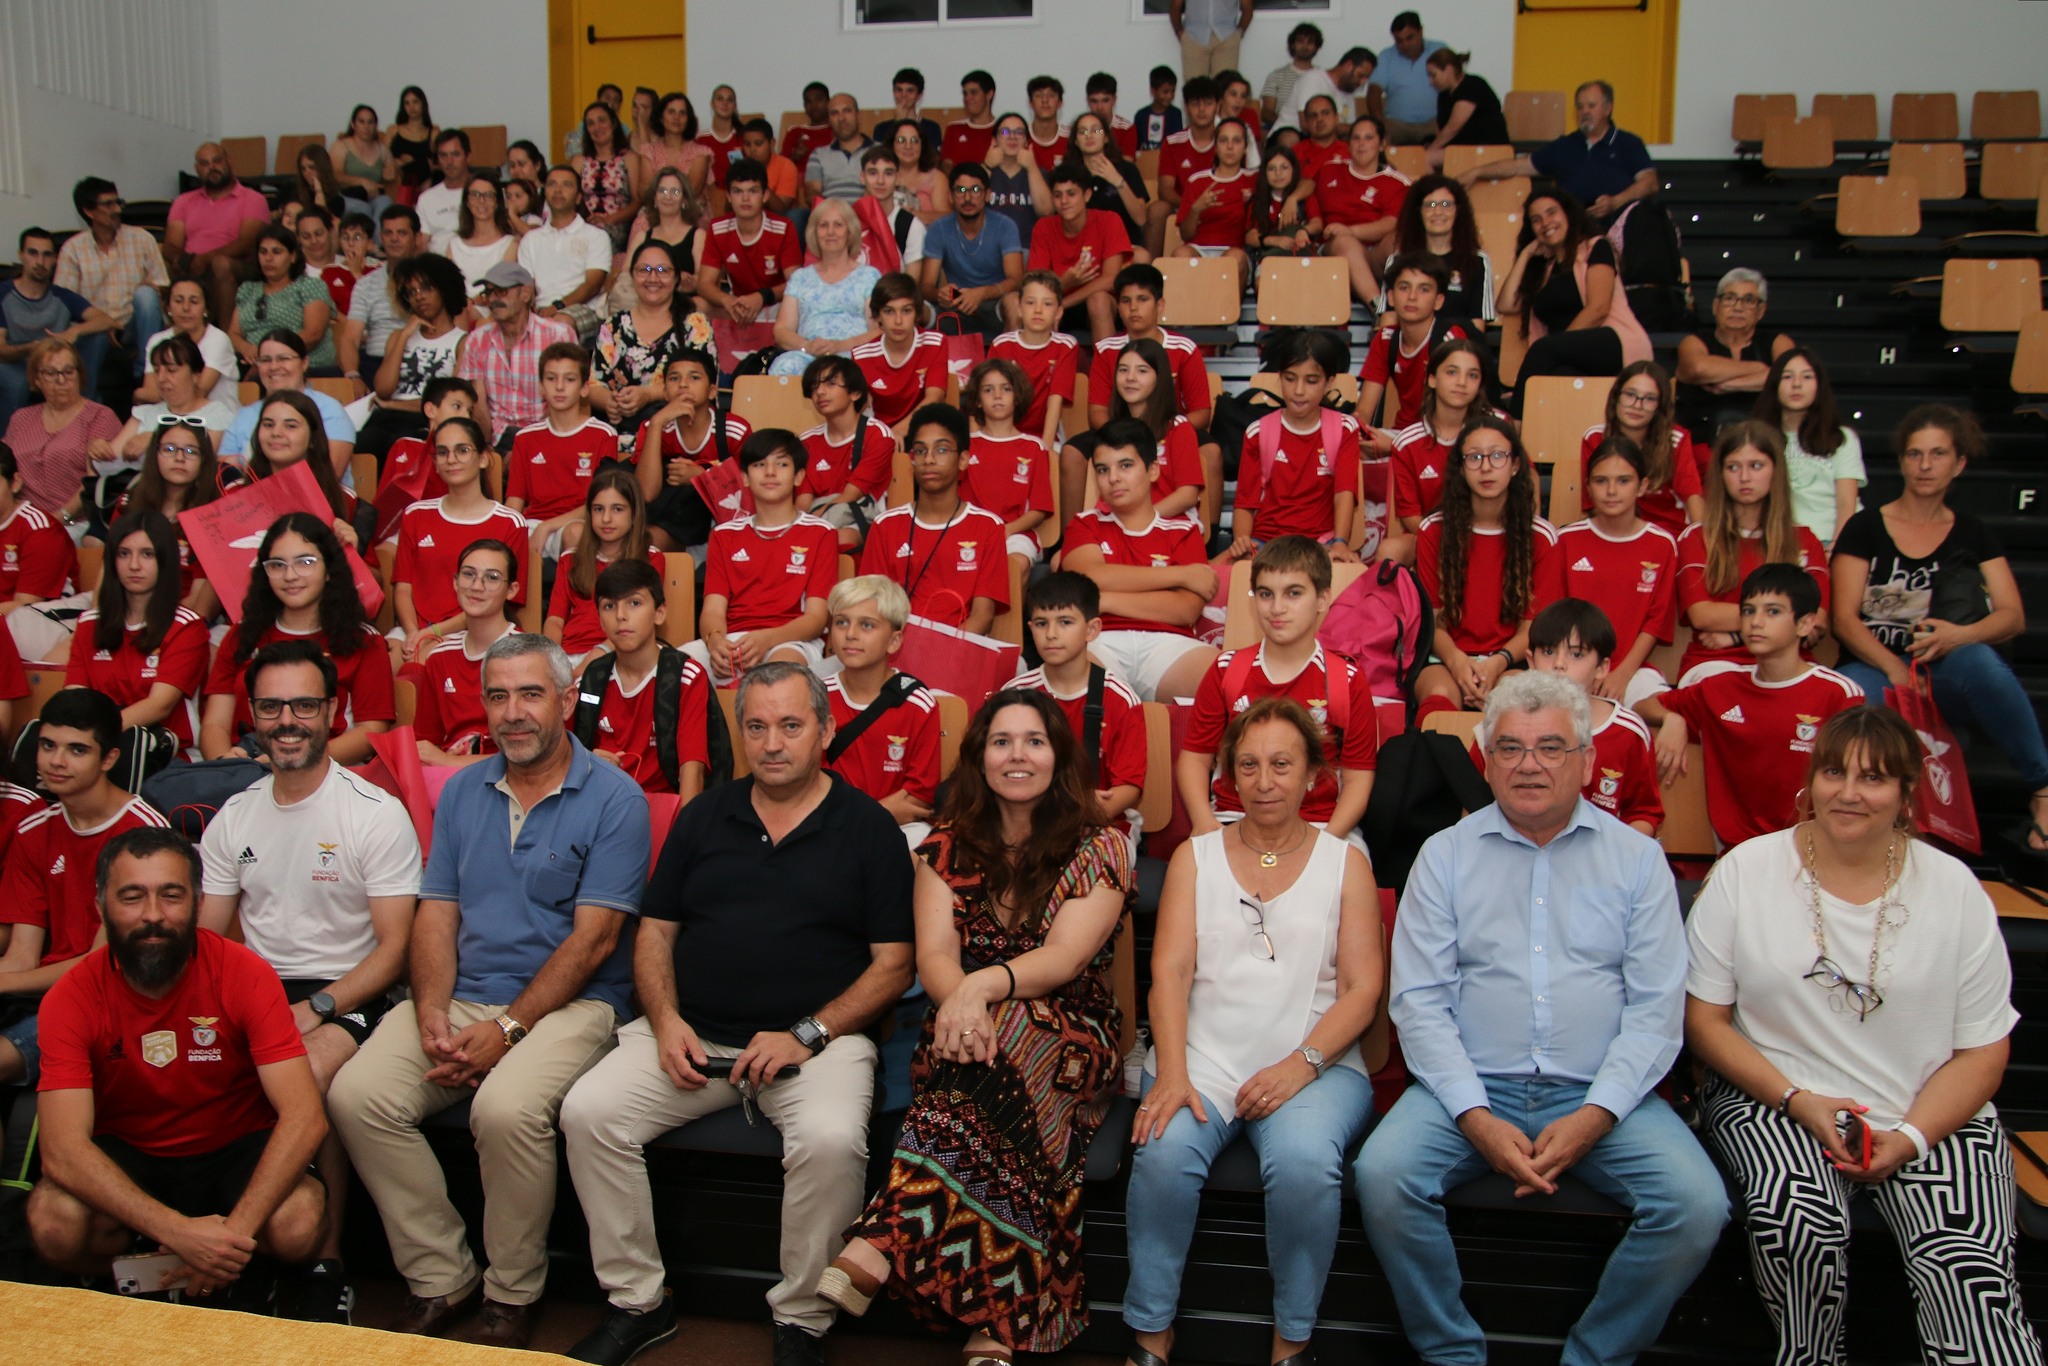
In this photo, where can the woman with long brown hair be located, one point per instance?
(1565, 285)
(1020, 893)
(181, 471)
(1640, 407)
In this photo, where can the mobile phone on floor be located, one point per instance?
(145, 1275)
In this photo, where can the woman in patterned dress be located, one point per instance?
(610, 172)
(1019, 898)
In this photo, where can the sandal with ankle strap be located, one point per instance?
(1138, 1356)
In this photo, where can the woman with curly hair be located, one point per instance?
(1484, 557)
(301, 588)
(1020, 894)
(426, 347)
(1437, 218)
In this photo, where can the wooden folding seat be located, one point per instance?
(1537, 115)
(1925, 118)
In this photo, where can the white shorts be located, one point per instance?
(1025, 544)
(1645, 682)
(1141, 658)
(551, 548)
(813, 652)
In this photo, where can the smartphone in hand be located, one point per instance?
(1855, 1131)
(145, 1275)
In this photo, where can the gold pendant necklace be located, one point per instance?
(1270, 858)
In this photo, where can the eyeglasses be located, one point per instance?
(489, 578)
(1485, 459)
(970, 188)
(653, 272)
(168, 449)
(669, 191)
(1860, 997)
(933, 452)
(1009, 132)
(1255, 916)
(1634, 400)
(1439, 203)
(55, 372)
(305, 564)
(270, 708)
(112, 204)
(262, 308)
(1740, 300)
(192, 420)
(1549, 753)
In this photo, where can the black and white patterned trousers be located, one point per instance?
(1951, 1214)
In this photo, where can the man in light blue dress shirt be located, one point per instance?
(1403, 73)
(1209, 32)
(1538, 983)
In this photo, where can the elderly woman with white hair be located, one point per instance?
(1721, 367)
(825, 308)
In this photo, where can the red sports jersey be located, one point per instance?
(830, 465)
(1048, 154)
(1102, 235)
(1356, 200)
(551, 470)
(945, 566)
(625, 726)
(1480, 628)
(1166, 543)
(1298, 495)
(51, 872)
(127, 675)
(430, 546)
(1420, 462)
(174, 1077)
(723, 152)
(899, 388)
(449, 688)
(1121, 756)
(706, 452)
(750, 266)
(765, 577)
(581, 629)
(1225, 222)
(1358, 747)
(1389, 361)
(1623, 782)
(1124, 134)
(362, 688)
(1309, 209)
(36, 556)
(1665, 506)
(1180, 464)
(1315, 157)
(1190, 373)
(1181, 160)
(899, 752)
(963, 142)
(1049, 367)
(13, 678)
(1008, 475)
(1692, 586)
(17, 804)
(1634, 580)
(1758, 739)
(805, 138)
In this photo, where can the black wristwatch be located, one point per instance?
(321, 1004)
(812, 1034)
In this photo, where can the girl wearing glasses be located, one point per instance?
(178, 365)
(1266, 972)
(180, 471)
(1425, 454)
(140, 647)
(1875, 1024)
(1823, 459)
(432, 533)
(634, 344)
(1437, 217)
(1639, 407)
(1484, 557)
(449, 716)
(300, 588)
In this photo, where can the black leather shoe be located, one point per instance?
(795, 1347)
(624, 1334)
(430, 1315)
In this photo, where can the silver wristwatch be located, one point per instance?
(1314, 1056)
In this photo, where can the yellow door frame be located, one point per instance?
(1630, 44)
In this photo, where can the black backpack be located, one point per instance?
(668, 708)
(1425, 782)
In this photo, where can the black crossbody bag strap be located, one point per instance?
(894, 694)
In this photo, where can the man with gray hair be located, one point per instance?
(777, 928)
(521, 969)
(1538, 981)
(1601, 166)
(1721, 368)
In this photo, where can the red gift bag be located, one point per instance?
(226, 533)
(1944, 806)
(955, 661)
(963, 353)
(724, 490)
(397, 769)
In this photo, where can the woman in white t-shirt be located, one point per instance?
(185, 307)
(1850, 992)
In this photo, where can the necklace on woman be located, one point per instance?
(1270, 858)
(1862, 997)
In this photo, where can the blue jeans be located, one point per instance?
(1975, 687)
(1301, 1151)
(147, 322)
(1650, 1163)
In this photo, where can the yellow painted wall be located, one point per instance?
(640, 42)
(1561, 43)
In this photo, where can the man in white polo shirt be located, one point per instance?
(567, 258)
(323, 870)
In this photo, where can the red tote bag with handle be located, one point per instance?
(1943, 807)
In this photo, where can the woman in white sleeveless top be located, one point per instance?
(1266, 971)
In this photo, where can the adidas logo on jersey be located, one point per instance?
(540, 459)
(246, 857)
(447, 685)
(605, 724)
(57, 868)
(102, 655)
(1430, 472)
(1584, 566)
(1734, 714)
(740, 556)
(427, 541)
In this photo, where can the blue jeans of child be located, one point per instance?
(1650, 1163)
(1301, 1149)
(1975, 687)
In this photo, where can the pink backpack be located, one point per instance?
(1382, 623)
(1269, 439)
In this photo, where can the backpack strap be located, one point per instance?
(1337, 679)
(1091, 724)
(1270, 426)
(904, 218)
(895, 692)
(597, 676)
(718, 434)
(668, 708)
(1237, 672)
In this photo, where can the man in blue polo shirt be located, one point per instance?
(1403, 73)
(522, 965)
(1602, 167)
(973, 259)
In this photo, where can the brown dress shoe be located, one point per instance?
(430, 1315)
(503, 1325)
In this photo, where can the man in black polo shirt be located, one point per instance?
(1602, 167)
(777, 926)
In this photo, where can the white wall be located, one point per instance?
(1071, 40)
(299, 66)
(116, 88)
(1731, 47)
